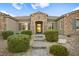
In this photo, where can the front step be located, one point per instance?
(39, 39)
(39, 47)
(39, 36)
(38, 44)
(39, 52)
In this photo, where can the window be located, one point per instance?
(23, 26)
(77, 23)
(52, 25)
(61, 25)
(19, 26)
(26, 26)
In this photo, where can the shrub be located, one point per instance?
(18, 43)
(6, 34)
(17, 33)
(27, 32)
(58, 50)
(51, 35)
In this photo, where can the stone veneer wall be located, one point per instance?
(68, 23)
(38, 17)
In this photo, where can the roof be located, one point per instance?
(26, 18)
(7, 15)
(52, 17)
(22, 18)
(76, 11)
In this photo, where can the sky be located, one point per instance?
(26, 9)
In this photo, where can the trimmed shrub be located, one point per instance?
(6, 34)
(27, 32)
(18, 43)
(17, 33)
(51, 35)
(58, 50)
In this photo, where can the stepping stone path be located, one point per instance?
(39, 46)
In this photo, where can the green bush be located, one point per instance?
(27, 32)
(51, 35)
(6, 34)
(58, 50)
(17, 33)
(18, 43)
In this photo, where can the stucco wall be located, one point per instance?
(11, 25)
(60, 26)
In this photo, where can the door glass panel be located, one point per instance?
(38, 27)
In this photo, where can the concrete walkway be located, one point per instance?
(39, 46)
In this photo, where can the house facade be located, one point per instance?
(39, 22)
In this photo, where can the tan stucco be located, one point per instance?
(11, 25)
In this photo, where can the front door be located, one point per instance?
(38, 27)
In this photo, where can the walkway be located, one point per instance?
(39, 46)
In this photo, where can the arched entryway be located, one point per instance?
(38, 26)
